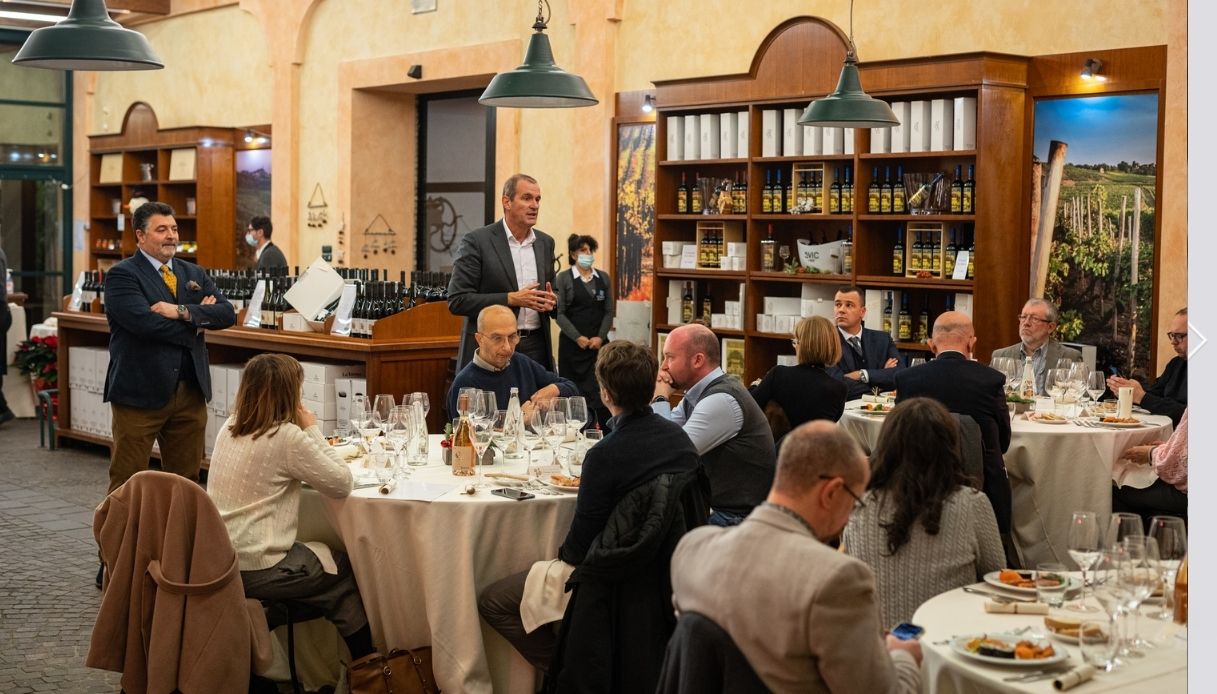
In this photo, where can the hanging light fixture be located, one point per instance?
(648, 104)
(538, 83)
(1093, 69)
(849, 106)
(88, 40)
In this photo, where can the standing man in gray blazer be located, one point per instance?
(508, 263)
(1035, 326)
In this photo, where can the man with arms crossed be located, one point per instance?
(509, 263)
(803, 614)
(726, 425)
(869, 358)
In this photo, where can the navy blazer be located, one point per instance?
(482, 275)
(145, 347)
(877, 348)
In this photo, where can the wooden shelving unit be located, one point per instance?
(999, 85)
(212, 187)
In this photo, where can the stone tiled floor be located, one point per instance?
(47, 597)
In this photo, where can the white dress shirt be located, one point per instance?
(525, 262)
(708, 421)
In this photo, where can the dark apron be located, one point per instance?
(586, 312)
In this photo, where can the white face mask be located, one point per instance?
(249, 238)
(585, 260)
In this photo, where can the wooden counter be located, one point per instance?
(410, 352)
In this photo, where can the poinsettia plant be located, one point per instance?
(39, 358)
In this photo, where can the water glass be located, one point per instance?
(1051, 582)
(1098, 641)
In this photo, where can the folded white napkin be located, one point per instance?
(1074, 677)
(1126, 473)
(1015, 607)
(545, 595)
(347, 451)
(324, 555)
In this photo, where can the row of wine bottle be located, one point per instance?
(906, 331)
(692, 199)
(930, 255)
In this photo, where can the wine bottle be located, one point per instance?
(780, 195)
(923, 322)
(695, 201)
(834, 192)
(847, 191)
(919, 198)
(969, 191)
(898, 253)
(915, 258)
(817, 191)
(934, 252)
(513, 427)
(948, 267)
(899, 201)
(887, 315)
(847, 252)
(972, 256)
(1027, 388)
(743, 194)
(767, 194)
(873, 196)
(686, 304)
(769, 257)
(957, 191)
(885, 192)
(706, 306)
(463, 455)
(904, 326)
(800, 194)
(1181, 593)
(682, 196)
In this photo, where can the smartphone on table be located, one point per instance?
(907, 631)
(509, 493)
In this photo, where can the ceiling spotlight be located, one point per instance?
(415, 71)
(249, 137)
(1093, 69)
(648, 104)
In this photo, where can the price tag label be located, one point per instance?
(253, 313)
(961, 266)
(342, 314)
(77, 293)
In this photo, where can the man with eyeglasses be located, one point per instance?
(804, 615)
(1035, 326)
(496, 367)
(1168, 395)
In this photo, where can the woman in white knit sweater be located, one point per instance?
(262, 454)
(921, 528)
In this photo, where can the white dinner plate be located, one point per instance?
(1119, 425)
(1037, 420)
(960, 646)
(991, 579)
(561, 488)
(342, 441)
(1062, 637)
(875, 413)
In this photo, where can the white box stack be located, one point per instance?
(964, 117)
(942, 125)
(692, 138)
(676, 138)
(728, 136)
(709, 135)
(900, 133)
(880, 140)
(771, 133)
(792, 133)
(813, 140)
(321, 390)
(920, 117)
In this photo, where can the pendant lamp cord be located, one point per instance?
(853, 51)
(543, 21)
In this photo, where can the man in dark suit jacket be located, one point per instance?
(869, 358)
(158, 381)
(257, 234)
(6, 321)
(1168, 395)
(511, 264)
(971, 388)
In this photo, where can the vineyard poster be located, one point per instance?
(1094, 167)
(635, 211)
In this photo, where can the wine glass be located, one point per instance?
(1170, 533)
(576, 413)
(397, 432)
(531, 434)
(1054, 384)
(420, 398)
(1065, 363)
(1096, 385)
(1123, 526)
(1084, 549)
(381, 408)
(361, 419)
(1109, 592)
(481, 434)
(784, 254)
(464, 398)
(1138, 576)
(555, 429)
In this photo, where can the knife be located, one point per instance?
(995, 596)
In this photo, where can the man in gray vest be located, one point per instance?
(725, 424)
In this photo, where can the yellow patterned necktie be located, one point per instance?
(170, 280)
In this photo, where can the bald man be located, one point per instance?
(971, 388)
(723, 420)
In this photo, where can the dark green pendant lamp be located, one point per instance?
(849, 106)
(87, 40)
(538, 83)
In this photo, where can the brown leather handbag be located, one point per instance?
(402, 671)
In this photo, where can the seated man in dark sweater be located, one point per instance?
(496, 368)
(640, 446)
(1168, 395)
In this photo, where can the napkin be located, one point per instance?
(1074, 677)
(545, 595)
(347, 451)
(1016, 607)
(1126, 473)
(388, 487)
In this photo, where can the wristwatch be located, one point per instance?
(659, 398)
(181, 312)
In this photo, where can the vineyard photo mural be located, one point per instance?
(635, 211)
(1094, 199)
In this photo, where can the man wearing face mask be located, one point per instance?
(584, 315)
(268, 255)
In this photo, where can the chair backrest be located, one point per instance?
(701, 657)
(779, 423)
(972, 449)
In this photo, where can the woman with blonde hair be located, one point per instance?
(266, 449)
(806, 391)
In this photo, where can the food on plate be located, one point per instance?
(1119, 420)
(335, 440)
(1045, 417)
(564, 481)
(876, 407)
(1063, 624)
(1017, 579)
(996, 648)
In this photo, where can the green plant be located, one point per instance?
(39, 358)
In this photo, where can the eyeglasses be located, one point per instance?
(513, 338)
(1024, 317)
(858, 502)
(1176, 337)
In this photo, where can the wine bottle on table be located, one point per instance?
(463, 455)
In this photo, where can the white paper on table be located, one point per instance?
(421, 491)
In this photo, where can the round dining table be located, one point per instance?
(1054, 469)
(424, 552)
(955, 614)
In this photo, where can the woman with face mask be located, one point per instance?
(585, 314)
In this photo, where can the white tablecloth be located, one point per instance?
(956, 613)
(17, 389)
(1054, 470)
(421, 566)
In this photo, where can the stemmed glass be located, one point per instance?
(1171, 535)
(397, 433)
(534, 426)
(1084, 549)
(1054, 383)
(1096, 385)
(362, 420)
(382, 407)
(1123, 526)
(555, 429)
(1137, 576)
(419, 398)
(483, 432)
(576, 414)
(1109, 591)
(784, 254)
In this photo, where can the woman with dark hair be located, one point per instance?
(264, 451)
(920, 527)
(584, 314)
(806, 391)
